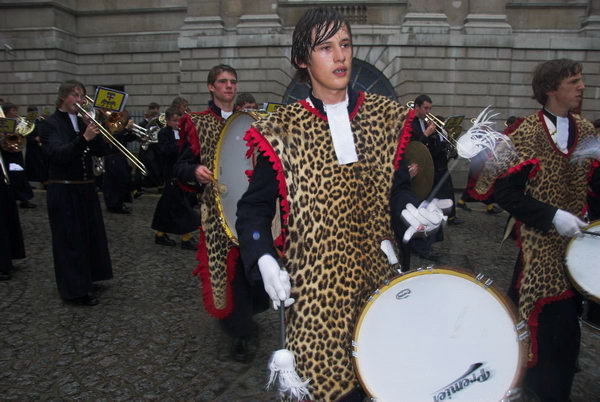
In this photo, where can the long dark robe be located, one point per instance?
(19, 183)
(79, 244)
(11, 236)
(117, 180)
(34, 159)
(174, 212)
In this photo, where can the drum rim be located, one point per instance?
(215, 168)
(572, 279)
(508, 305)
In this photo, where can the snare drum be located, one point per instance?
(583, 268)
(435, 335)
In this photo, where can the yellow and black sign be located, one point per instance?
(110, 99)
(8, 126)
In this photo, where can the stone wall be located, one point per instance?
(466, 55)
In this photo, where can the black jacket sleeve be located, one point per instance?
(255, 213)
(510, 194)
(185, 167)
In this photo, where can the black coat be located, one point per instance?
(11, 236)
(174, 212)
(79, 243)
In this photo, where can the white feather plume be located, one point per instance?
(481, 136)
(588, 148)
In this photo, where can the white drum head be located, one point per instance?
(583, 262)
(436, 335)
(231, 169)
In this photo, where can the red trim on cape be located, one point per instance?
(404, 138)
(511, 129)
(254, 139)
(187, 132)
(359, 101)
(593, 167)
(203, 273)
(536, 168)
(551, 141)
(533, 322)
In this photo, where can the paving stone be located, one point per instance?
(151, 339)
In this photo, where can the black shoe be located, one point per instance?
(5, 276)
(455, 221)
(493, 210)
(87, 300)
(463, 206)
(240, 351)
(137, 194)
(27, 204)
(189, 244)
(164, 240)
(119, 210)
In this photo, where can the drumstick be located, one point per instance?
(589, 232)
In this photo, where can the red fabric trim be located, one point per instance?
(312, 109)
(551, 141)
(404, 138)
(533, 322)
(185, 187)
(536, 168)
(359, 102)
(187, 132)
(511, 129)
(253, 139)
(203, 273)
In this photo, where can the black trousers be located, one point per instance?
(247, 301)
(558, 347)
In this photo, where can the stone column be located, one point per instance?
(425, 16)
(590, 26)
(203, 19)
(259, 17)
(487, 17)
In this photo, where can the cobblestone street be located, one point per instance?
(150, 338)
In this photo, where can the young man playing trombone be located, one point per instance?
(79, 244)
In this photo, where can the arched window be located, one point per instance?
(364, 77)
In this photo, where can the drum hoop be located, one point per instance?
(575, 284)
(508, 305)
(215, 188)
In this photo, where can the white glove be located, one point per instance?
(567, 224)
(276, 281)
(426, 219)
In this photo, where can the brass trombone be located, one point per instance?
(108, 136)
(438, 123)
(4, 172)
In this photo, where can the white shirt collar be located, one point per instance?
(559, 132)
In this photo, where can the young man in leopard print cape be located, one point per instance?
(546, 192)
(334, 162)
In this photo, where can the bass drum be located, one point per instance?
(230, 167)
(438, 334)
(583, 254)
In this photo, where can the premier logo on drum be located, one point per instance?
(472, 376)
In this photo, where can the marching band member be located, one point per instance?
(15, 163)
(334, 162)
(227, 294)
(79, 244)
(540, 185)
(174, 212)
(11, 236)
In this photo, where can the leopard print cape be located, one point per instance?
(555, 180)
(217, 254)
(334, 218)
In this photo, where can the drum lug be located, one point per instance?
(376, 292)
(522, 332)
(429, 268)
(486, 283)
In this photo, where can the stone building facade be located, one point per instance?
(465, 54)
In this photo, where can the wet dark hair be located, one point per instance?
(65, 90)
(548, 75)
(7, 106)
(324, 22)
(419, 100)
